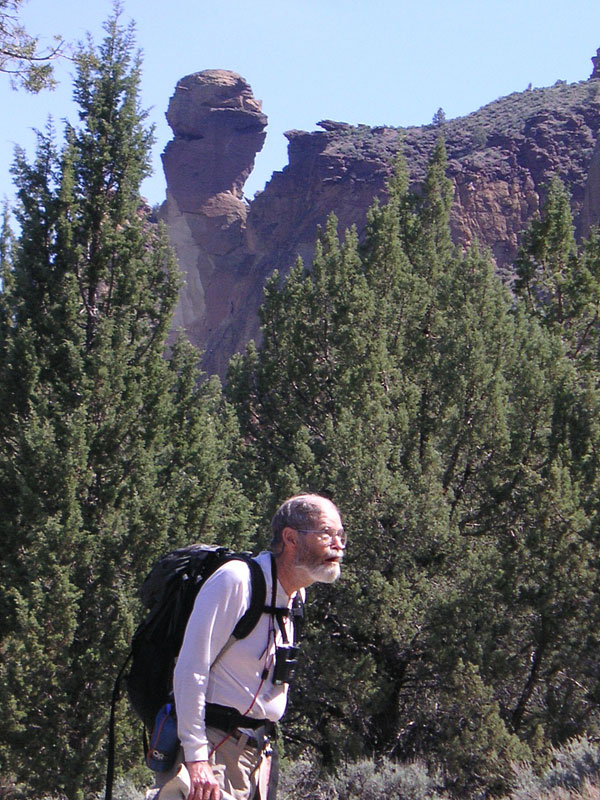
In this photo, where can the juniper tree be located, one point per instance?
(110, 452)
(320, 360)
(454, 426)
(512, 426)
(559, 279)
(381, 379)
(544, 265)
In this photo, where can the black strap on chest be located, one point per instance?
(295, 613)
(258, 594)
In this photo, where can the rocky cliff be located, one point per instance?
(499, 159)
(218, 128)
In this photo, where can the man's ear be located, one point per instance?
(289, 536)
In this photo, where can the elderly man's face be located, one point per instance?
(319, 551)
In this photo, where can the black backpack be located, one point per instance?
(169, 591)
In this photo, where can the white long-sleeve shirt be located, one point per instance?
(235, 677)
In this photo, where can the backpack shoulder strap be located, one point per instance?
(258, 596)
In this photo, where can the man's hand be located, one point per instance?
(203, 784)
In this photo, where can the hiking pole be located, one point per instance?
(110, 764)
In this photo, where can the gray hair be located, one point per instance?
(300, 513)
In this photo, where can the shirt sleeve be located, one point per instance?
(220, 604)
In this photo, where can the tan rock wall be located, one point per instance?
(499, 159)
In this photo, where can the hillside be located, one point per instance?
(499, 160)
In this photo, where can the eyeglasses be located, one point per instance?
(326, 535)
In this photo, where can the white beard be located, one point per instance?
(319, 571)
(325, 573)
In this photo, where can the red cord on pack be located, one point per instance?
(263, 678)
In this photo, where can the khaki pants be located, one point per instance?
(239, 766)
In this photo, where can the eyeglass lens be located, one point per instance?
(327, 535)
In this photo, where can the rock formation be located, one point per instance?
(499, 159)
(218, 129)
(596, 63)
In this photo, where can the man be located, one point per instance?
(229, 692)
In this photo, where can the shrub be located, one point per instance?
(360, 780)
(574, 768)
(366, 780)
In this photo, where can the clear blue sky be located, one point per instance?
(377, 62)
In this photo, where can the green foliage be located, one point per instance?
(455, 426)
(477, 751)
(360, 780)
(439, 118)
(546, 267)
(572, 768)
(20, 56)
(558, 280)
(110, 453)
(573, 772)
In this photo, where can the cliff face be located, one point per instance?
(218, 128)
(499, 159)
